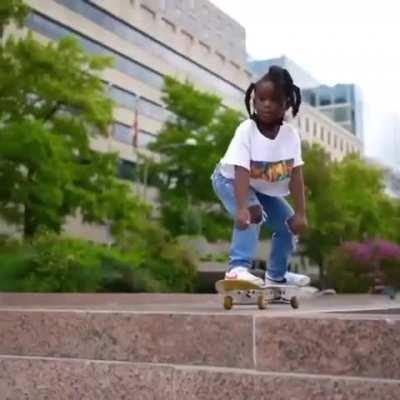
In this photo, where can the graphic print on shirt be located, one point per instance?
(271, 171)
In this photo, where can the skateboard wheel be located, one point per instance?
(262, 302)
(228, 302)
(294, 302)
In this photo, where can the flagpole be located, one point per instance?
(135, 141)
(111, 126)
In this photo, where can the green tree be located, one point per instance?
(53, 101)
(12, 10)
(325, 212)
(346, 201)
(184, 170)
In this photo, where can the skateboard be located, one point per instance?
(246, 293)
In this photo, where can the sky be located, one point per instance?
(340, 41)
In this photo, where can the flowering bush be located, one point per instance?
(358, 266)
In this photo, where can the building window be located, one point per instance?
(342, 114)
(322, 133)
(335, 141)
(124, 134)
(324, 96)
(341, 94)
(329, 137)
(315, 129)
(126, 170)
(341, 144)
(299, 122)
(129, 33)
(123, 63)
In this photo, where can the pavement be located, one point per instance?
(197, 303)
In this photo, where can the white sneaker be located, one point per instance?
(297, 279)
(243, 274)
(269, 281)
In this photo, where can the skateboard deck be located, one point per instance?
(242, 292)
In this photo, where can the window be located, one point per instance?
(123, 63)
(153, 110)
(341, 144)
(315, 129)
(151, 45)
(124, 134)
(329, 137)
(324, 96)
(335, 141)
(341, 94)
(307, 125)
(342, 114)
(322, 133)
(299, 122)
(126, 170)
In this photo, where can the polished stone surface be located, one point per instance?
(199, 339)
(338, 345)
(24, 378)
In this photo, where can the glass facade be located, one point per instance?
(124, 134)
(342, 103)
(55, 30)
(341, 94)
(127, 99)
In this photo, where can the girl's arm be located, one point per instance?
(298, 222)
(242, 183)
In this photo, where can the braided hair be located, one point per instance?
(282, 80)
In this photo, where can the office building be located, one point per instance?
(342, 103)
(302, 78)
(148, 39)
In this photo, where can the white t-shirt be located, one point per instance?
(270, 162)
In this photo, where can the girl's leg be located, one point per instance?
(244, 242)
(278, 212)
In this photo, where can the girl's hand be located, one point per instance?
(242, 218)
(298, 223)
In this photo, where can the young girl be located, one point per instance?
(261, 166)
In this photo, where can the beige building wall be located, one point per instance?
(315, 127)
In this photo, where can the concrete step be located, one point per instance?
(331, 344)
(36, 378)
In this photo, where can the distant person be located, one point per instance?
(261, 166)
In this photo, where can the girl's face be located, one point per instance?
(269, 103)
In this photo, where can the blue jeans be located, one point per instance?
(276, 211)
